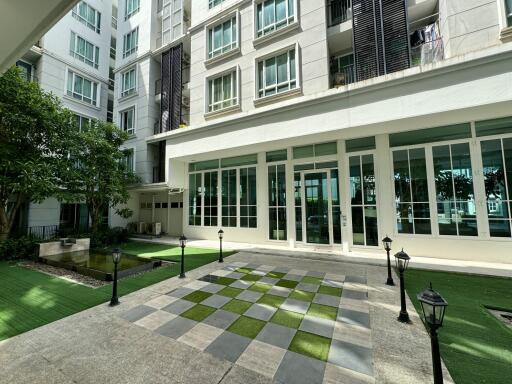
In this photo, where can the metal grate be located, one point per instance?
(171, 88)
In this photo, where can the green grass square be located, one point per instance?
(244, 270)
(230, 292)
(323, 311)
(197, 296)
(276, 275)
(287, 283)
(237, 306)
(311, 345)
(250, 278)
(287, 318)
(260, 287)
(198, 312)
(225, 280)
(333, 291)
(247, 326)
(302, 295)
(272, 300)
(312, 280)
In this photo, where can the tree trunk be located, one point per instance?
(7, 218)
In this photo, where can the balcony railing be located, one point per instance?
(339, 11)
(427, 53)
(114, 22)
(156, 128)
(156, 175)
(344, 76)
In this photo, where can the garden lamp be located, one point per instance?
(387, 247)
(221, 235)
(402, 262)
(183, 244)
(116, 257)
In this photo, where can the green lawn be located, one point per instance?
(29, 299)
(475, 346)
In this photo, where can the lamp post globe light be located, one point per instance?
(183, 244)
(433, 306)
(221, 235)
(387, 247)
(402, 262)
(116, 257)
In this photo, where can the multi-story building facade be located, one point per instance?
(73, 60)
(326, 124)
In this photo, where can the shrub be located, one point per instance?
(18, 248)
(109, 236)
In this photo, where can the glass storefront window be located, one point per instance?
(229, 214)
(194, 203)
(210, 199)
(277, 202)
(297, 187)
(336, 207)
(248, 198)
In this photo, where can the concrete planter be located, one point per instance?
(57, 247)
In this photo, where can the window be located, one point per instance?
(297, 191)
(277, 202)
(497, 172)
(84, 51)
(128, 120)
(363, 199)
(25, 69)
(272, 15)
(130, 42)
(214, 3)
(129, 160)
(82, 89)
(194, 198)
(222, 92)
(128, 82)
(172, 21)
(203, 199)
(87, 15)
(277, 74)
(222, 38)
(456, 207)
(411, 191)
(131, 8)
(83, 123)
(508, 11)
(210, 198)
(229, 202)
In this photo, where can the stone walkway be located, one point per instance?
(255, 319)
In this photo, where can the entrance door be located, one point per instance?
(318, 218)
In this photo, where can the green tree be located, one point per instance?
(35, 131)
(100, 176)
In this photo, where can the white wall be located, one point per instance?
(45, 213)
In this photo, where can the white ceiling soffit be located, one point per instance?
(24, 22)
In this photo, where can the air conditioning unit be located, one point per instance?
(156, 229)
(339, 79)
(141, 227)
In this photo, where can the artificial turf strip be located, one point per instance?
(198, 312)
(225, 281)
(197, 296)
(475, 346)
(230, 292)
(237, 306)
(287, 283)
(302, 295)
(247, 326)
(250, 277)
(271, 300)
(312, 280)
(276, 275)
(287, 318)
(323, 311)
(332, 291)
(311, 345)
(260, 287)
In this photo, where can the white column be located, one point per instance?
(384, 182)
(343, 174)
(262, 196)
(290, 200)
(479, 186)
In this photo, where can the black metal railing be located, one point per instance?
(156, 128)
(157, 177)
(427, 53)
(339, 11)
(344, 76)
(47, 232)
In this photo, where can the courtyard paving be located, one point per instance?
(256, 318)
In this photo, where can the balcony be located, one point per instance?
(343, 76)
(158, 90)
(158, 176)
(157, 129)
(427, 52)
(339, 11)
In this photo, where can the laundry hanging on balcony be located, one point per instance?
(426, 45)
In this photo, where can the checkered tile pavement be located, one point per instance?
(291, 325)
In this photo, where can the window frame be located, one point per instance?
(74, 40)
(213, 3)
(276, 164)
(130, 51)
(133, 151)
(95, 88)
(82, 118)
(273, 31)
(122, 120)
(508, 14)
(130, 91)
(209, 56)
(235, 86)
(127, 14)
(97, 17)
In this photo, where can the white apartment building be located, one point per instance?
(72, 60)
(324, 124)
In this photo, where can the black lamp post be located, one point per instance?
(433, 306)
(387, 246)
(402, 262)
(183, 244)
(116, 257)
(221, 235)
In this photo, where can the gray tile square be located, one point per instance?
(252, 266)
(137, 313)
(260, 312)
(355, 295)
(307, 287)
(268, 280)
(355, 279)
(316, 274)
(332, 301)
(352, 317)
(178, 307)
(298, 369)
(351, 356)
(230, 268)
(292, 277)
(332, 283)
(249, 296)
(241, 284)
(258, 273)
(281, 270)
(317, 325)
(221, 319)
(180, 292)
(228, 346)
(279, 291)
(277, 335)
(216, 301)
(212, 288)
(235, 275)
(176, 327)
(295, 306)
